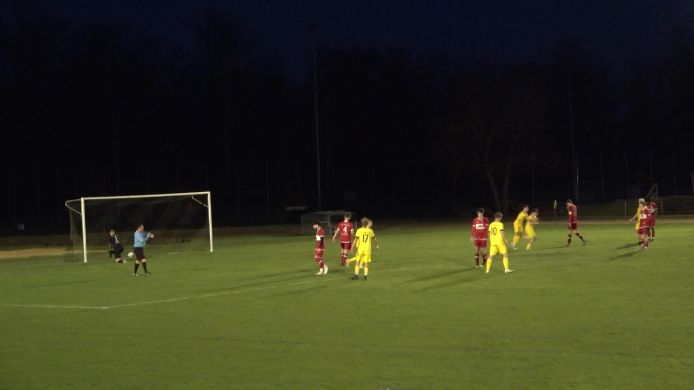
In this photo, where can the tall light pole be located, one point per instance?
(312, 27)
(574, 163)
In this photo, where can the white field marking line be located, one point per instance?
(55, 306)
(179, 299)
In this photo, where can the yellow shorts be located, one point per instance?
(494, 249)
(363, 257)
(518, 229)
(530, 233)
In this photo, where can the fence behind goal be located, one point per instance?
(181, 222)
(327, 219)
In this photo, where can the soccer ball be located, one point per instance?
(130, 254)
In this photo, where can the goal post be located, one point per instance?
(185, 219)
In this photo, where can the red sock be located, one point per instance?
(321, 264)
(343, 259)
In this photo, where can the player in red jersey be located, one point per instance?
(653, 208)
(479, 236)
(320, 248)
(644, 225)
(572, 212)
(345, 230)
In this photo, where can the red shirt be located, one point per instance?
(572, 211)
(653, 208)
(346, 230)
(320, 238)
(645, 217)
(480, 228)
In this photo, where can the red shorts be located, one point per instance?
(645, 230)
(480, 243)
(346, 245)
(319, 254)
(652, 223)
(573, 225)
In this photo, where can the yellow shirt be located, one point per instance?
(529, 226)
(365, 236)
(636, 216)
(496, 233)
(520, 219)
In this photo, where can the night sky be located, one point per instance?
(121, 97)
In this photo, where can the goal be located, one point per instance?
(180, 221)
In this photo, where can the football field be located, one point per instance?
(253, 316)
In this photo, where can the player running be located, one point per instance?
(497, 243)
(653, 208)
(479, 236)
(362, 241)
(636, 217)
(644, 226)
(572, 212)
(320, 248)
(530, 234)
(345, 230)
(519, 225)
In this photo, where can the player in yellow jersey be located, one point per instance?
(519, 225)
(642, 204)
(497, 243)
(362, 241)
(530, 228)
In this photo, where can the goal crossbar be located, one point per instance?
(82, 200)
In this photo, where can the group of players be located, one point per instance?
(646, 213)
(489, 240)
(349, 239)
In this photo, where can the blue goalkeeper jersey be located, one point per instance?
(140, 239)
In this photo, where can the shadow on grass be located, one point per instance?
(300, 291)
(438, 275)
(452, 283)
(627, 246)
(624, 255)
(234, 287)
(264, 276)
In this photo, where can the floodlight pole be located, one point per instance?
(312, 27)
(574, 163)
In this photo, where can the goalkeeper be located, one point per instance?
(115, 246)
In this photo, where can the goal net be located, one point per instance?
(181, 222)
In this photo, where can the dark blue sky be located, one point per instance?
(613, 32)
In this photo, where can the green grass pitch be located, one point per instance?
(253, 316)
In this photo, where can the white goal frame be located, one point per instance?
(82, 212)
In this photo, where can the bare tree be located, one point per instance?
(497, 124)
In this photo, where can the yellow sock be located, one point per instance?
(516, 238)
(506, 263)
(489, 264)
(366, 270)
(356, 269)
(529, 245)
(352, 259)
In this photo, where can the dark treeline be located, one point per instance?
(97, 109)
